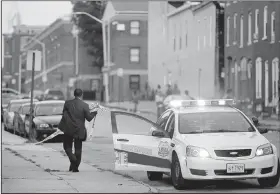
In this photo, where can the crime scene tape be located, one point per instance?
(93, 107)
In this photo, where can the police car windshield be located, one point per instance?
(213, 122)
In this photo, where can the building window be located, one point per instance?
(250, 28)
(204, 37)
(228, 28)
(256, 34)
(241, 31)
(243, 65)
(174, 37)
(135, 27)
(180, 43)
(235, 28)
(265, 23)
(272, 27)
(210, 31)
(258, 78)
(266, 74)
(198, 43)
(135, 55)
(275, 81)
(186, 35)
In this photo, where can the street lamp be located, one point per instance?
(75, 33)
(105, 56)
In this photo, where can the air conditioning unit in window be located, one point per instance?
(256, 36)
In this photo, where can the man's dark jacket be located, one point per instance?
(72, 123)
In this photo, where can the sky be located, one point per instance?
(34, 12)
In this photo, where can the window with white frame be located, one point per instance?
(210, 31)
(174, 37)
(258, 78)
(241, 31)
(134, 55)
(186, 34)
(204, 37)
(134, 27)
(180, 37)
(235, 28)
(275, 80)
(250, 28)
(272, 27)
(265, 22)
(266, 83)
(256, 35)
(228, 28)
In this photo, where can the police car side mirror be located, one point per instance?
(158, 133)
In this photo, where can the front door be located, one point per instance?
(135, 147)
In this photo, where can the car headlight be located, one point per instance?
(197, 152)
(43, 125)
(265, 149)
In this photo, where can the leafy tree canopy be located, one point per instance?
(90, 31)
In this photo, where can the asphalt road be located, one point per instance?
(99, 152)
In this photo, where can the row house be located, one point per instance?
(126, 34)
(252, 52)
(59, 69)
(189, 43)
(13, 43)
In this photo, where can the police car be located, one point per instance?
(195, 140)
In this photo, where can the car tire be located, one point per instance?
(177, 179)
(154, 176)
(270, 181)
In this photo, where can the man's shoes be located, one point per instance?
(70, 168)
(75, 170)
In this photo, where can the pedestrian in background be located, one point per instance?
(135, 100)
(229, 94)
(176, 90)
(159, 100)
(72, 124)
(169, 90)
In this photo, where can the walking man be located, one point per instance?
(75, 112)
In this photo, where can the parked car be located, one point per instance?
(47, 115)
(38, 94)
(53, 94)
(20, 117)
(8, 116)
(8, 94)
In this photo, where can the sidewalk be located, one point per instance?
(29, 168)
(150, 108)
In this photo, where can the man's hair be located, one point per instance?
(78, 92)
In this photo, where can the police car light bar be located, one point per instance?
(188, 103)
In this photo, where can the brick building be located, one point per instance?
(60, 56)
(186, 48)
(13, 43)
(126, 34)
(252, 52)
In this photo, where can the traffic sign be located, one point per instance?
(35, 56)
(14, 81)
(120, 72)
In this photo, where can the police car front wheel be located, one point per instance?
(270, 181)
(176, 175)
(154, 176)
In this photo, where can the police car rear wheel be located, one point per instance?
(270, 181)
(176, 175)
(154, 176)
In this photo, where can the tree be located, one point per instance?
(90, 31)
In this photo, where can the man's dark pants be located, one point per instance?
(75, 159)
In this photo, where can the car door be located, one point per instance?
(136, 149)
(169, 128)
